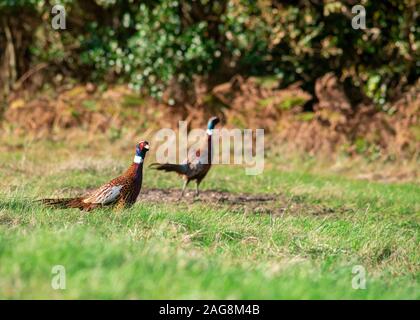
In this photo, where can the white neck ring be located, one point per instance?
(138, 159)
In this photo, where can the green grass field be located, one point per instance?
(197, 250)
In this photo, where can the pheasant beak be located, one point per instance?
(146, 146)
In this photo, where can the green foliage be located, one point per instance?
(290, 102)
(161, 50)
(151, 44)
(90, 105)
(306, 116)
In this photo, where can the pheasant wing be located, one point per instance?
(194, 168)
(197, 163)
(107, 194)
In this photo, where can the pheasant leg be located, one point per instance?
(183, 189)
(197, 192)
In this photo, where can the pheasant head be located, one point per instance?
(141, 149)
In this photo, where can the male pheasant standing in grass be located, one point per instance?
(120, 192)
(196, 166)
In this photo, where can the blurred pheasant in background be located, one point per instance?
(120, 192)
(197, 165)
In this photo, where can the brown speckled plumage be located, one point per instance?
(196, 166)
(120, 192)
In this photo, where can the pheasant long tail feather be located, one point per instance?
(64, 203)
(168, 167)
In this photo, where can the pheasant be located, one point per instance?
(196, 167)
(120, 192)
